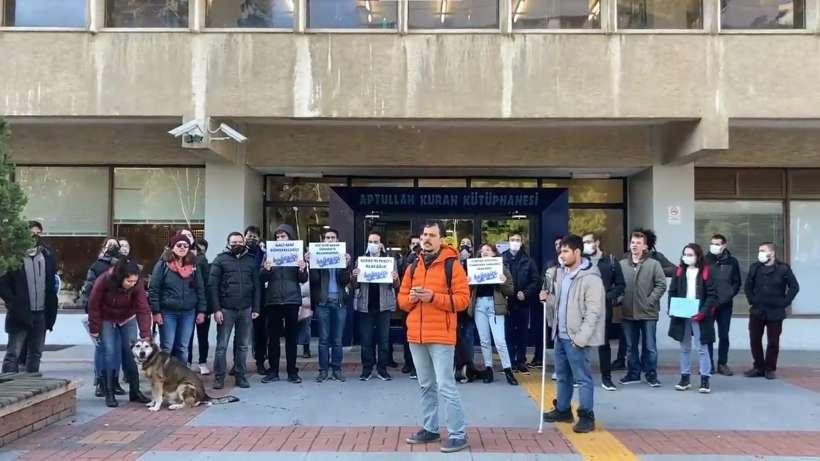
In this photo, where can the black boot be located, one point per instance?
(108, 390)
(472, 373)
(586, 422)
(118, 390)
(684, 383)
(98, 387)
(510, 377)
(488, 375)
(556, 416)
(134, 392)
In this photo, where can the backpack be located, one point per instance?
(448, 274)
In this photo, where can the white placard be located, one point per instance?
(375, 270)
(485, 271)
(328, 255)
(284, 253)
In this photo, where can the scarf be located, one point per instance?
(183, 271)
(35, 267)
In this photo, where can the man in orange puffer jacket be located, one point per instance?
(431, 331)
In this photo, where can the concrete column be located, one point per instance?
(234, 197)
(505, 20)
(299, 15)
(96, 15)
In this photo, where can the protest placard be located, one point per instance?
(375, 270)
(484, 271)
(326, 255)
(284, 253)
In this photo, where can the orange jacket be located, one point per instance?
(435, 322)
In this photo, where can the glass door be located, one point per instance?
(496, 231)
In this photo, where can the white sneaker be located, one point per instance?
(203, 369)
(554, 376)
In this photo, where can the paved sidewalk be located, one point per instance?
(741, 419)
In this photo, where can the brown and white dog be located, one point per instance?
(170, 380)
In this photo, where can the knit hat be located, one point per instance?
(176, 239)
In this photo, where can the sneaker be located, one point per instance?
(608, 385)
(306, 352)
(203, 369)
(536, 364)
(725, 370)
(366, 375)
(754, 373)
(684, 383)
(322, 376)
(627, 380)
(556, 416)
(413, 374)
(704, 385)
(271, 378)
(452, 445)
(653, 382)
(383, 375)
(619, 365)
(423, 436)
(294, 378)
(242, 382)
(770, 374)
(261, 369)
(576, 385)
(338, 376)
(219, 383)
(523, 370)
(586, 422)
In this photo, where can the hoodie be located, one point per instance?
(585, 310)
(283, 283)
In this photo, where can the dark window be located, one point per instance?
(660, 14)
(250, 13)
(762, 14)
(146, 13)
(352, 14)
(453, 14)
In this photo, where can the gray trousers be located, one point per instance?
(241, 320)
(33, 339)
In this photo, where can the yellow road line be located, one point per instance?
(600, 445)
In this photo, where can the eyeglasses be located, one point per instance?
(181, 245)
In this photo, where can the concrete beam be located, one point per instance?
(681, 142)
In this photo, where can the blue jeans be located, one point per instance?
(645, 331)
(434, 365)
(241, 321)
(331, 319)
(692, 329)
(304, 333)
(99, 358)
(115, 339)
(572, 366)
(175, 333)
(381, 321)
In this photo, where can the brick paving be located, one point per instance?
(750, 443)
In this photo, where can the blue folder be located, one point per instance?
(683, 307)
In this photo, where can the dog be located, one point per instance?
(170, 380)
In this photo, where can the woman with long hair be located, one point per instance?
(693, 283)
(117, 308)
(177, 297)
(488, 307)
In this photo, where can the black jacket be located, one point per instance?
(770, 290)
(726, 273)
(613, 277)
(234, 282)
(14, 291)
(284, 285)
(525, 278)
(97, 269)
(170, 292)
(706, 293)
(319, 280)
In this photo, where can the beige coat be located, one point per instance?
(586, 306)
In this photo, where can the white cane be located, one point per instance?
(543, 368)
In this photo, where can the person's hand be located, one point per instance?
(543, 296)
(307, 256)
(699, 317)
(267, 265)
(414, 296)
(502, 278)
(520, 296)
(575, 345)
(200, 319)
(158, 319)
(254, 315)
(347, 257)
(464, 254)
(395, 275)
(355, 273)
(425, 295)
(301, 265)
(219, 317)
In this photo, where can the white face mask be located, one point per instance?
(561, 262)
(763, 257)
(716, 249)
(515, 246)
(589, 249)
(689, 260)
(373, 248)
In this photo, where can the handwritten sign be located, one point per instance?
(375, 270)
(327, 255)
(284, 253)
(485, 271)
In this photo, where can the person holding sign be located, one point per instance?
(488, 306)
(283, 297)
(692, 303)
(327, 295)
(374, 283)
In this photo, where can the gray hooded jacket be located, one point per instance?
(586, 306)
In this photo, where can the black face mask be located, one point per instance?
(416, 248)
(467, 248)
(252, 242)
(113, 252)
(237, 250)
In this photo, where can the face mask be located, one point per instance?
(515, 246)
(589, 249)
(715, 249)
(373, 248)
(561, 262)
(466, 248)
(124, 251)
(416, 248)
(238, 249)
(689, 260)
(252, 242)
(112, 252)
(763, 257)
(32, 252)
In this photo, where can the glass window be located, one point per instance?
(74, 255)
(67, 200)
(352, 14)
(589, 190)
(745, 224)
(309, 222)
(511, 182)
(556, 14)
(283, 189)
(442, 182)
(146, 13)
(44, 13)
(607, 223)
(453, 14)
(148, 240)
(382, 182)
(276, 14)
(159, 195)
(762, 14)
(805, 255)
(497, 231)
(660, 14)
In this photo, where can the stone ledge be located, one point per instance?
(29, 403)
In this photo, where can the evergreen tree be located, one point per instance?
(15, 239)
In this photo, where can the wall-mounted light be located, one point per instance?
(517, 215)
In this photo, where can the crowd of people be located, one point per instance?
(590, 298)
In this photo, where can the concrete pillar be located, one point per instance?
(234, 197)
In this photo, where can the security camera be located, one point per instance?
(191, 132)
(233, 134)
